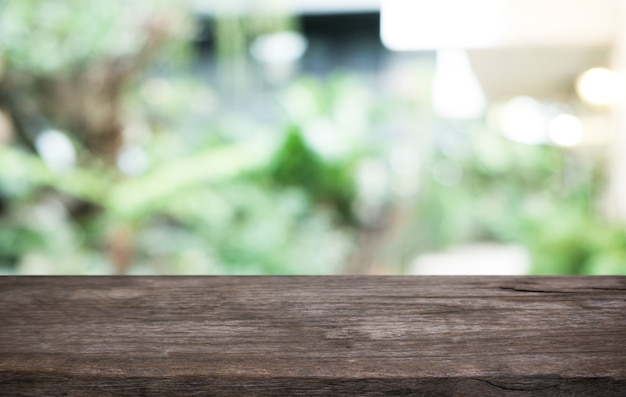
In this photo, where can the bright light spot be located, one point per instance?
(476, 259)
(279, 48)
(598, 86)
(431, 25)
(456, 91)
(133, 161)
(566, 130)
(56, 149)
(524, 120)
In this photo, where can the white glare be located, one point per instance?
(476, 259)
(566, 130)
(524, 120)
(598, 86)
(429, 25)
(56, 149)
(279, 48)
(456, 91)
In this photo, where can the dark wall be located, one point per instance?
(350, 41)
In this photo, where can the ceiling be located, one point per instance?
(516, 47)
(542, 72)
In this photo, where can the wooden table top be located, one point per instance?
(312, 336)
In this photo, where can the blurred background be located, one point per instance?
(312, 137)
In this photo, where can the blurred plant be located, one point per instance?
(200, 214)
(486, 188)
(236, 27)
(297, 165)
(157, 165)
(572, 241)
(160, 179)
(67, 63)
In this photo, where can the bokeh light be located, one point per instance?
(598, 86)
(524, 120)
(566, 130)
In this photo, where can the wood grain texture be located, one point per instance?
(312, 336)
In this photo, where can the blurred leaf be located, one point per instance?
(296, 165)
(139, 196)
(18, 168)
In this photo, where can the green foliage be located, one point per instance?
(202, 205)
(572, 242)
(197, 214)
(214, 200)
(539, 196)
(44, 37)
(296, 165)
(17, 240)
(55, 36)
(338, 189)
(250, 230)
(143, 195)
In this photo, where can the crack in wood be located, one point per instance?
(540, 291)
(518, 388)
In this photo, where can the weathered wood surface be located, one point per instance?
(312, 336)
